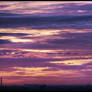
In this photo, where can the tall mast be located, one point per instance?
(1, 81)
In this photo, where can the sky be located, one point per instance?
(46, 42)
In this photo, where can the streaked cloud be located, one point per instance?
(46, 41)
(44, 8)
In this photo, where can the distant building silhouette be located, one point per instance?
(42, 86)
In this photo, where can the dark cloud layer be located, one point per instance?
(13, 34)
(53, 22)
(4, 42)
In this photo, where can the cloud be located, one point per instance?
(46, 8)
(49, 39)
(4, 6)
(4, 42)
(65, 40)
(53, 22)
(7, 15)
(13, 34)
(25, 62)
(74, 40)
